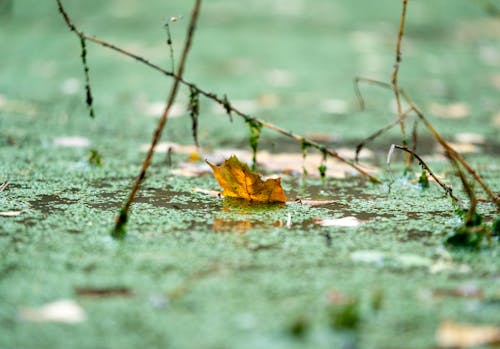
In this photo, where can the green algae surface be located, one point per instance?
(197, 271)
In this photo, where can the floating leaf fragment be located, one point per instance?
(72, 142)
(70, 86)
(458, 110)
(155, 109)
(163, 147)
(280, 78)
(338, 222)
(469, 137)
(369, 257)
(212, 193)
(314, 202)
(334, 106)
(63, 310)
(10, 213)
(238, 181)
(456, 335)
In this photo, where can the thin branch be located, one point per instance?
(414, 137)
(223, 101)
(467, 188)
(494, 197)
(122, 217)
(377, 133)
(422, 163)
(395, 72)
(357, 90)
(88, 91)
(170, 45)
(452, 152)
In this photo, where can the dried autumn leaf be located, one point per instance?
(239, 181)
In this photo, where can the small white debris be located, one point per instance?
(63, 310)
(368, 257)
(70, 86)
(155, 109)
(72, 142)
(289, 221)
(458, 110)
(334, 106)
(280, 78)
(10, 213)
(469, 137)
(164, 147)
(349, 221)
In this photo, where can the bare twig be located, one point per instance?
(374, 82)
(89, 100)
(223, 101)
(394, 82)
(467, 188)
(122, 217)
(414, 135)
(444, 144)
(170, 45)
(452, 152)
(422, 163)
(395, 72)
(377, 133)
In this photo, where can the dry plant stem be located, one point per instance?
(164, 116)
(395, 86)
(377, 133)
(467, 188)
(414, 135)
(212, 96)
(170, 46)
(494, 197)
(357, 90)
(445, 187)
(452, 152)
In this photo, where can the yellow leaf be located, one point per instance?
(239, 181)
